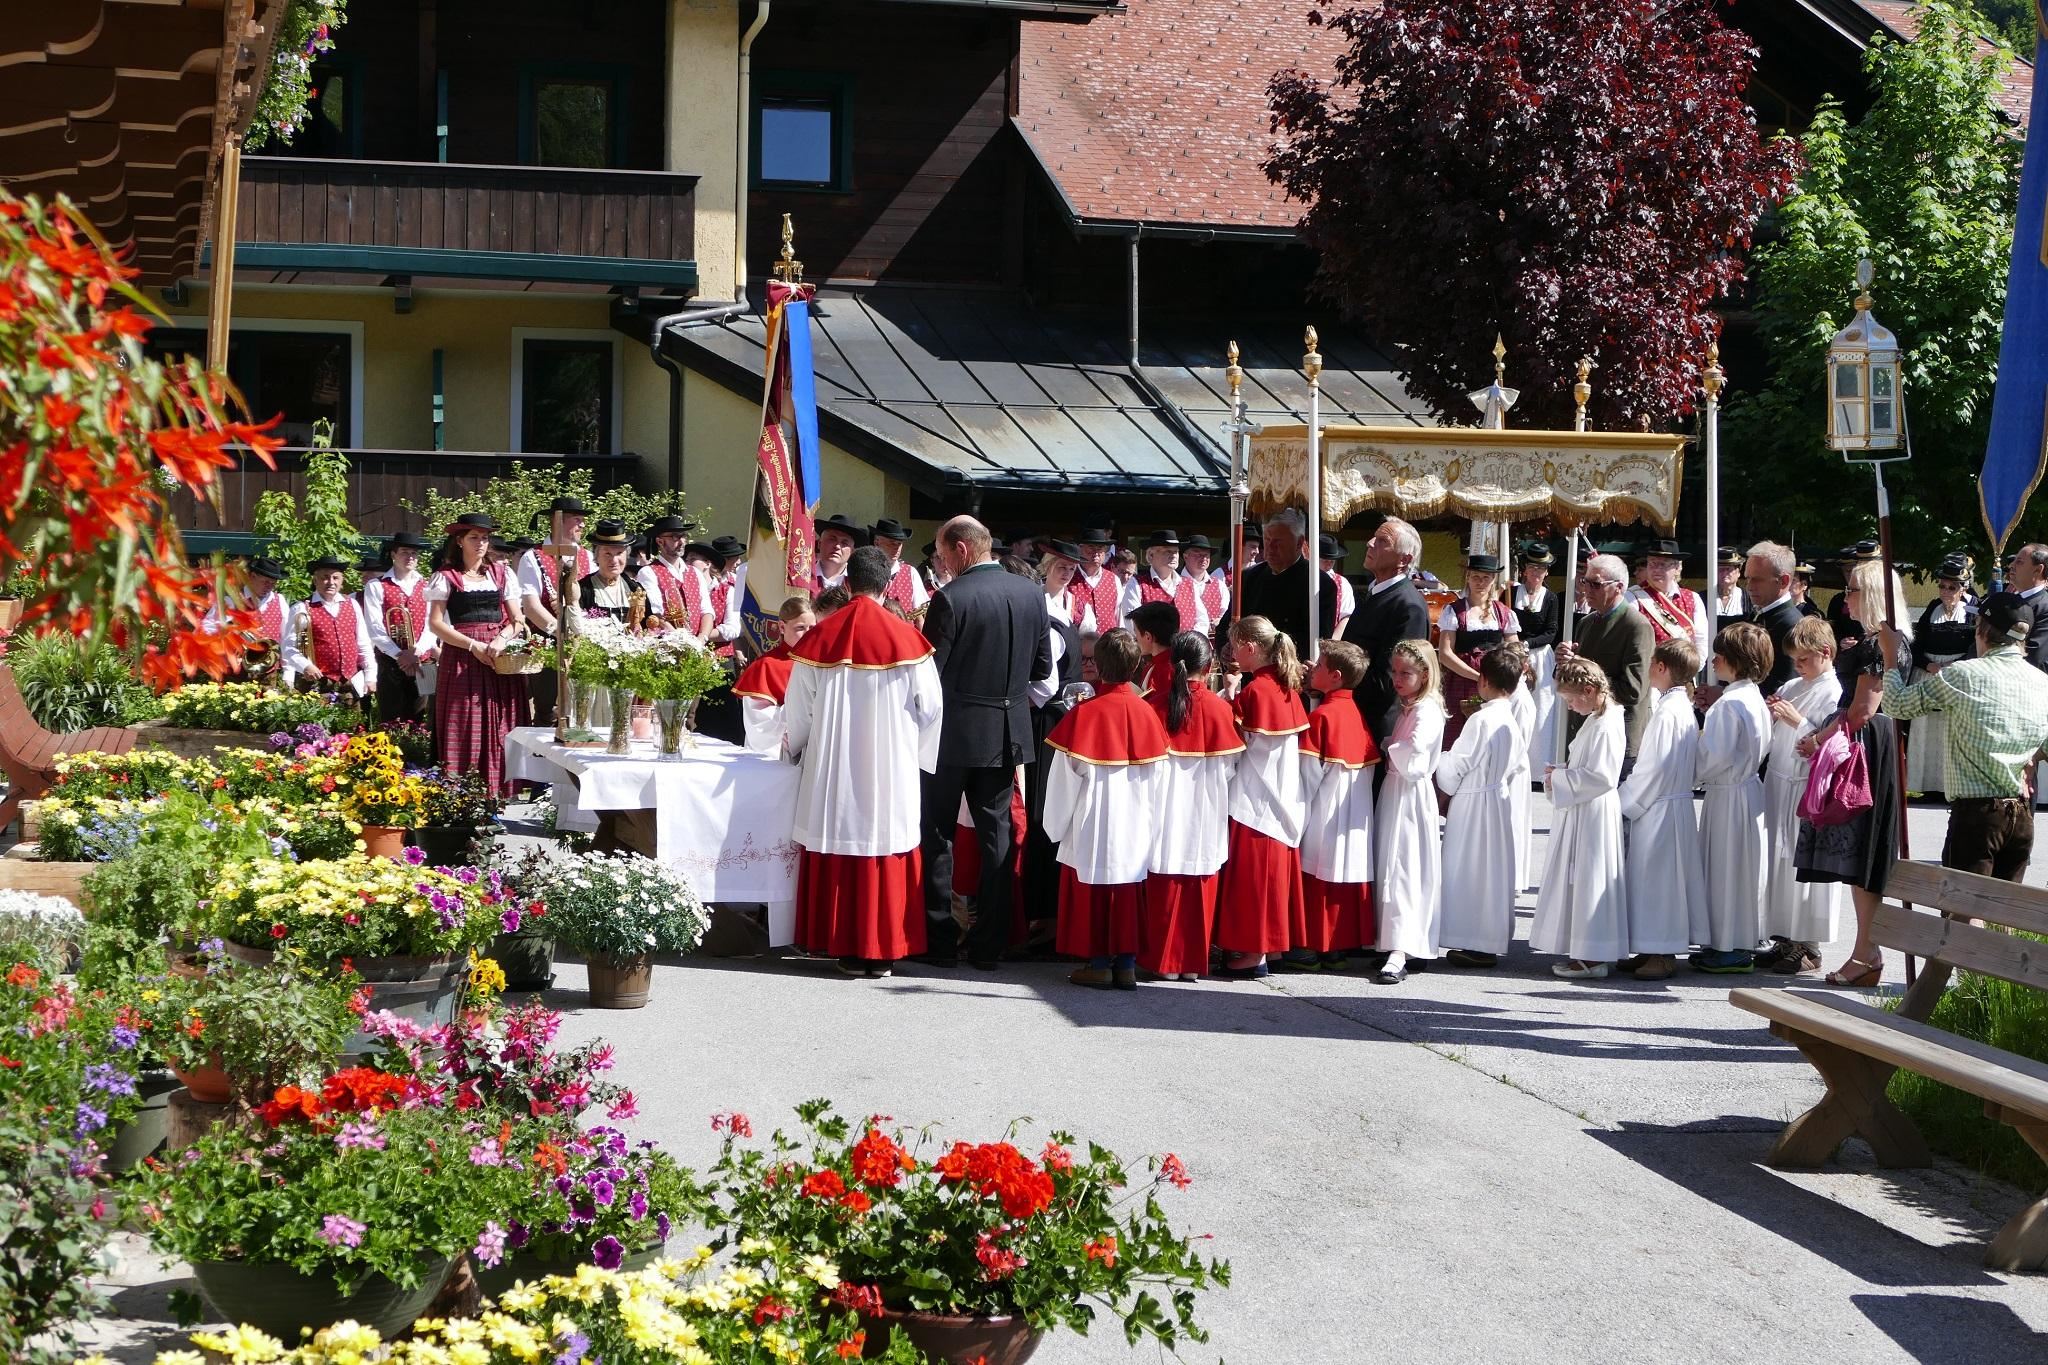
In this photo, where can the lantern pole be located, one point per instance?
(1240, 430)
(1581, 392)
(1312, 366)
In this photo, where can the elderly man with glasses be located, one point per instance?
(1617, 637)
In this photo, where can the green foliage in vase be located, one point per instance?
(518, 501)
(305, 529)
(72, 684)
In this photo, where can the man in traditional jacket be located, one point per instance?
(1095, 598)
(1161, 580)
(395, 612)
(906, 586)
(326, 642)
(863, 710)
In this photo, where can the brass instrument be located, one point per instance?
(302, 639)
(398, 622)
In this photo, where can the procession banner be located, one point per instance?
(1574, 478)
(2017, 455)
(782, 538)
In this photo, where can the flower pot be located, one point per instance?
(384, 841)
(208, 1083)
(527, 959)
(448, 845)
(427, 990)
(143, 1134)
(10, 613)
(955, 1340)
(281, 1301)
(519, 1265)
(620, 983)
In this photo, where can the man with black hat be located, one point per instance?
(260, 577)
(906, 586)
(1331, 551)
(1731, 602)
(678, 593)
(838, 537)
(1197, 555)
(1674, 611)
(327, 644)
(395, 614)
(1096, 605)
(728, 586)
(1162, 581)
(537, 586)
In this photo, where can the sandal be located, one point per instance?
(1842, 976)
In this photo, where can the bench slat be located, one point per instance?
(1959, 943)
(1982, 1070)
(1970, 896)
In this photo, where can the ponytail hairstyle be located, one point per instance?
(1191, 657)
(1277, 647)
(1423, 659)
(1581, 674)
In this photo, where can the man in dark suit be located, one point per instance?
(1767, 575)
(1390, 610)
(2027, 577)
(1618, 638)
(1277, 587)
(989, 638)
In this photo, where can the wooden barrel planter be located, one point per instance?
(187, 1120)
(22, 868)
(426, 990)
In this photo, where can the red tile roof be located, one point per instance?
(1158, 115)
(1902, 18)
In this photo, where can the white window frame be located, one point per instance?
(522, 335)
(354, 332)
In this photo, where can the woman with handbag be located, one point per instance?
(1861, 843)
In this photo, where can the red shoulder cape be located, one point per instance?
(1157, 674)
(1209, 730)
(1264, 707)
(1337, 733)
(1113, 727)
(767, 677)
(862, 634)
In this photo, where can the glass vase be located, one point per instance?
(670, 714)
(622, 721)
(643, 721)
(582, 698)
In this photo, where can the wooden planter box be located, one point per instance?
(154, 734)
(22, 869)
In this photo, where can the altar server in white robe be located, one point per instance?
(1582, 902)
(1798, 916)
(1541, 613)
(1667, 900)
(862, 713)
(1733, 743)
(1523, 704)
(1193, 839)
(1337, 759)
(1480, 837)
(1102, 801)
(763, 685)
(1407, 852)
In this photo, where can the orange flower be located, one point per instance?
(1102, 1249)
(853, 1346)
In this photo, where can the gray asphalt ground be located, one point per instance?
(1470, 1167)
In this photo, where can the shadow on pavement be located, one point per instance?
(1947, 1327)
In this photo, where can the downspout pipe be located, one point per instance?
(743, 163)
(713, 313)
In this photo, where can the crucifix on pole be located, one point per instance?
(1240, 429)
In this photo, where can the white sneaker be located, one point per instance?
(1591, 971)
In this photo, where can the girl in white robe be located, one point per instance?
(1481, 843)
(1582, 902)
(1798, 916)
(1667, 896)
(1407, 853)
(1193, 819)
(1523, 703)
(1733, 743)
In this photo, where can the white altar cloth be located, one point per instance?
(722, 814)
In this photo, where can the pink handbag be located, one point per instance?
(1838, 783)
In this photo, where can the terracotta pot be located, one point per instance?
(955, 1340)
(620, 983)
(384, 841)
(208, 1084)
(10, 613)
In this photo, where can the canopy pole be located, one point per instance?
(1582, 391)
(1711, 379)
(1311, 549)
(1240, 432)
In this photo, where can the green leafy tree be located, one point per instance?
(307, 529)
(519, 501)
(2010, 20)
(1926, 187)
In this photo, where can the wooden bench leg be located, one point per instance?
(1855, 1105)
(2022, 1244)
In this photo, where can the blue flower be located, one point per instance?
(125, 1036)
(108, 1079)
(90, 1120)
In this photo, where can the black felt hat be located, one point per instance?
(1956, 567)
(407, 540)
(728, 548)
(1803, 569)
(1065, 549)
(471, 521)
(1536, 552)
(326, 562)
(1163, 536)
(1197, 541)
(669, 525)
(1729, 555)
(889, 529)
(263, 566)
(610, 532)
(1482, 563)
(1861, 552)
(573, 506)
(1664, 549)
(839, 521)
(1254, 532)
(1329, 547)
(1093, 535)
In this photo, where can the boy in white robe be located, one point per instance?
(1337, 759)
(1733, 744)
(1480, 877)
(1798, 916)
(1582, 904)
(1523, 703)
(1407, 850)
(763, 685)
(1667, 901)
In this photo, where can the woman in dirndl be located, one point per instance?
(1470, 626)
(1861, 852)
(472, 609)
(1947, 634)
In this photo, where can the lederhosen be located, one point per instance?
(1471, 646)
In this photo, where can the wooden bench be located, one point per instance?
(29, 753)
(1856, 1046)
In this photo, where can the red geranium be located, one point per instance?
(363, 1089)
(290, 1102)
(878, 1162)
(824, 1185)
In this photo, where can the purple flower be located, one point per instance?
(280, 740)
(359, 1133)
(519, 1235)
(124, 1036)
(338, 1229)
(466, 875)
(508, 919)
(609, 1253)
(213, 947)
(601, 1190)
(573, 1347)
(486, 1153)
(108, 1079)
(90, 1120)
(638, 1204)
(661, 1225)
(490, 1247)
(414, 857)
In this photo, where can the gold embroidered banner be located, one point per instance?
(1575, 478)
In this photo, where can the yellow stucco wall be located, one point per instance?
(703, 131)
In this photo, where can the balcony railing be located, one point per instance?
(441, 219)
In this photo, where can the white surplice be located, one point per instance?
(1543, 740)
(1519, 776)
(1336, 841)
(1480, 834)
(1102, 816)
(862, 735)
(1805, 912)
(1193, 835)
(1407, 853)
(1733, 743)
(1267, 794)
(1667, 902)
(1582, 902)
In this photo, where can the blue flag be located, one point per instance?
(2018, 452)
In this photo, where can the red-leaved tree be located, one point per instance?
(1579, 177)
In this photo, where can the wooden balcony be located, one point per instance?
(441, 220)
(379, 479)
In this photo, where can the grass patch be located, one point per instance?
(1986, 1010)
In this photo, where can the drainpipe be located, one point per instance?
(742, 170)
(697, 316)
(1131, 323)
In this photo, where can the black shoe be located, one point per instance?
(946, 960)
(985, 964)
(1386, 978)
(852, 966)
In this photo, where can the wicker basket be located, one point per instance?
(510, 663)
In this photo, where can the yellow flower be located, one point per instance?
(241, 1345)
(821, 1270)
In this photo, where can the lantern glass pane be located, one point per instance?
(1846, 382)
(1881, 417)
(1881, 379)
(1848, 419)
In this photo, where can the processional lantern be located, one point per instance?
(1866, 394)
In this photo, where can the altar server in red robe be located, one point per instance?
(1101, 802)
(1260, 899)
(1155, 624)
(1193, 818)
(763, 685)
(1337, 758)
(862, 712)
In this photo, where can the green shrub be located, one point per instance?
(1985, 1010)
(70, 684)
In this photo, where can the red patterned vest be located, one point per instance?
(899, 589)
(411, 606)
(1182, 596)
(334, 639)
(1096, 608)
(585, 566)
(1212, 597)
(682, 595)
(721, 599)
(272, 616)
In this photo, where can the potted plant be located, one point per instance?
(973, 1249)
(414, 739)
(237, 1032)
(19, 588)
(459, 813)
(380, 794)
(618, 910)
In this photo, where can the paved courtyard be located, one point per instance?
(1470, 1167)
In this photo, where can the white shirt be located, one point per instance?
(380, 628)
(1133, 597)
(1378, 586)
